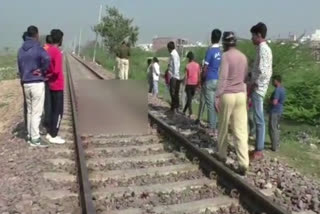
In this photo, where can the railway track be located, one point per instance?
(159, 172)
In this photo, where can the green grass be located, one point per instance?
(10, 63)
(297, 154)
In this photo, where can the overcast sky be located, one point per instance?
(186, 18)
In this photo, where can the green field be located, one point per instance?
(8, 67)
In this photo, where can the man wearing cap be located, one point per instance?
(231, 101)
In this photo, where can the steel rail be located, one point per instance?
(86, 201)
(249, 195)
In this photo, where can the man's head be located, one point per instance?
(24, 36)
(259, 33)
(49, 39)
(57, 37)
(190, 56)
(171, 46)
(229, 40)
(155, 59)
(276, 80)
(33, 32)
(149, 61)
(215, 36)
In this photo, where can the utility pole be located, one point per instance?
(96, 44)
(74, 45)
(79, 42)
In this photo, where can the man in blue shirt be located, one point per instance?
(277, 100)
(211, 72)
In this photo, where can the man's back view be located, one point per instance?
(33, 62)
(124, 54)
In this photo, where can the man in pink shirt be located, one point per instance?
(191, 80)
(56, 85)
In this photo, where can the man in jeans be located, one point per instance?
(261, 74)
(173, 70)
(277, 100)
(211, 70)
(33, 61)
(124, 54)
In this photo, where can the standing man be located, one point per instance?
(47, 100)
(211, 72)
(124, 54)
(261, 74)
(191, 81)
(231, 101)
(24, 37)
(33, 61)
(173, 70)
(56, 85)
(277, 100)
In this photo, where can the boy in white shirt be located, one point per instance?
(155, 76)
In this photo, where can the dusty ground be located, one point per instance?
(21, 167)
(10, 104)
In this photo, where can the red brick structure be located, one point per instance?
(161, 42)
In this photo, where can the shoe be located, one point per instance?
(242, 171)
(28, 139)
(43, 131)
(256, 156)
(251, 138)
(48, 137)
(219, 157)
(57, 140)
(197, 122)
(38, 143)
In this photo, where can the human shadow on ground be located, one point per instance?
(19, 131)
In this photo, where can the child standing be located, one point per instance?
(277, 100)
(191, 81)
(155, 76)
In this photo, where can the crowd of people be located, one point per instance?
(233, 93)
(42, 82)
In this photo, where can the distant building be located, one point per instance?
(316, 36)
(161, 42)
(145, 47)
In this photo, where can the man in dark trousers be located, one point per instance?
(33, 62)
(174, 72)
(24, 37)
(276, 101)
(47, 101)
(56, 85)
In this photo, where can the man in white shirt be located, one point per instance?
(173, 69)
(261, 75)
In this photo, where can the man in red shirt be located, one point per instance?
(56, 85)
(47, 101)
